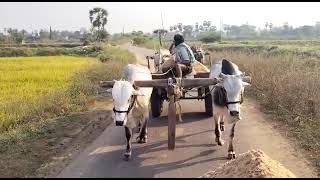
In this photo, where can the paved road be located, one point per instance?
(195, 153)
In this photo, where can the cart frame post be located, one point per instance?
(171, 118)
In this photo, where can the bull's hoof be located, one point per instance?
(127, 156)
(222, 127)
(219, 141)
(231, 155)
(141, 140)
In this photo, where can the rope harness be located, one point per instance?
(236, 102)
(133, 98)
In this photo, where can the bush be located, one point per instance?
(91, 51)
(209, 37)
(48, 51)
(14, 52)
(86, 42)
(139, 40)
(103, 57)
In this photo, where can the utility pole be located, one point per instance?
(162, 21)
(160, 31)
(50, 35)
(221, 24)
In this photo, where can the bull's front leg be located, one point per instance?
(231, 153)
(142, 138)
(218, 130)
(127, 154)
(222, 123)
(139, 128)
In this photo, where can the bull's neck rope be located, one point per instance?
(236, 102)
(130, 107)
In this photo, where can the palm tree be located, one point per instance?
(196, 27)
(201, 28)
(208, 23)
(180, 27)
(98, 19)
(266, 25)
(270, 26)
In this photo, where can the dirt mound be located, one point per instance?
(198, 67)
(252, 164)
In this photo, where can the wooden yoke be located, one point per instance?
(185, 83)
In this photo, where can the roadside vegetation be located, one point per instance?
(36, 90)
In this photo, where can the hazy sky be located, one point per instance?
(146, 16)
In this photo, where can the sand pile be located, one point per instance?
(252, 164)
(198, 67)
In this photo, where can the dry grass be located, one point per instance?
(288, 87)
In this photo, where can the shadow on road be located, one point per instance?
(187, 117)
(141, 153)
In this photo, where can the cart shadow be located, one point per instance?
(141, 153)
(187, 117)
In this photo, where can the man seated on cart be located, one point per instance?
(182, 56)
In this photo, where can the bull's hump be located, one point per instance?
(228, 67)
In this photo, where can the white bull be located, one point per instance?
(131, 105)
(227, 97)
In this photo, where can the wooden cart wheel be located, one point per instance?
(171, 123)
(208, 102)
(156, 103)
(148, 62)
(200, 92)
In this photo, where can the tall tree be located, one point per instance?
(270, 26)
(266, 25)
(98, 19)
(50, 35)
(196, 27)
(180, 27)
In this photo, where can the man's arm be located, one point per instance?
(171, 48)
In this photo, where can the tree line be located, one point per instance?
(97, 32)
(247, 31)
(203, 31)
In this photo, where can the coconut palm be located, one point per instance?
(98, 19)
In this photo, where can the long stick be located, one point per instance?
(171, 119)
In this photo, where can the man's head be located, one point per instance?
(178, 39)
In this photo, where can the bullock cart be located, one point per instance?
(166, 87)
